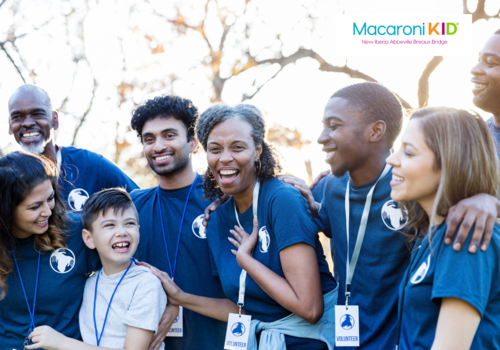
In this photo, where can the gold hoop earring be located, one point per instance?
(260, 167)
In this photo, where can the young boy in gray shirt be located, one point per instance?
(122, 303)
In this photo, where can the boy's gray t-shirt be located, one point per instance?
(139, 302)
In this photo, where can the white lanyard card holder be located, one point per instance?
(238, 325)
(177, 330)
(346, 325)
(347, 317)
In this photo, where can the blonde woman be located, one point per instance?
(447, 299)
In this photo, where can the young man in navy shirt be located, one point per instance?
(173, 238)
(80, 172)
(486, 80)
(360, 125)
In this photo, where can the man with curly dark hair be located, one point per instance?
(172, 236)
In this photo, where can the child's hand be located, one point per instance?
(47, 338)
(174, 293)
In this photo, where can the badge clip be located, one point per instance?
(240, 305)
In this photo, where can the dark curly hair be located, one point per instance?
(20, 172)
(375, 102)
(166, 106)
(269, 162)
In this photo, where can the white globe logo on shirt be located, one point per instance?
(264, 240)
(422, 271)
(77, 198)
(392, 215)
(62, 260)
(198, 229)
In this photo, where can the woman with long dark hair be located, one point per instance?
(447, 299)
(43, 259)
(264, 244)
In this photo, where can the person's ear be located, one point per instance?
(258, 151)
(55, 120)
(10, 128)
(194, 142)
(377, 131)
(87, 239)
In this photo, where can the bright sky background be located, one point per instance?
(295, 98)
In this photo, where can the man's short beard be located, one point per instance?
(178, 164)
(34, 148)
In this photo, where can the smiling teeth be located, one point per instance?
(228, 172)
(397, 178)
(329, 154)
(31, 134)
(41, 222)
(163, 157)
(120, 245)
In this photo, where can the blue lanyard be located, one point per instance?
(172, 271)
(98, 339)
(32, 314)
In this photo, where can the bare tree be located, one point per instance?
(423, 82)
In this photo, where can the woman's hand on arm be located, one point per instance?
(457, 324)
(300, 291)
(210, 307)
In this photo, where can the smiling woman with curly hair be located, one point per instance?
(43, 260)
(287, 273)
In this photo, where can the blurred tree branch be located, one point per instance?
(480, 12)
(423, 82)
(216, 56)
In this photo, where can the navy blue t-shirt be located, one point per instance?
(382, 261)
(436, 272)
(284, 220)
(83, 173)
(61, 281)
(496, 134)
(193, 273)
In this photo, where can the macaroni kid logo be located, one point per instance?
(402, 35)
(432, 29)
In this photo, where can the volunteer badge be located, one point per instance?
(238, 327)
(346, 325)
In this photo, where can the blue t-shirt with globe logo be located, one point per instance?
(383, 259)
(62, 278)
(284, 220)
(193, 272)
(437, 271)
(83, 173)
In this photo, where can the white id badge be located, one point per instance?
(176, 329)
(238, 328)
(346, 325)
